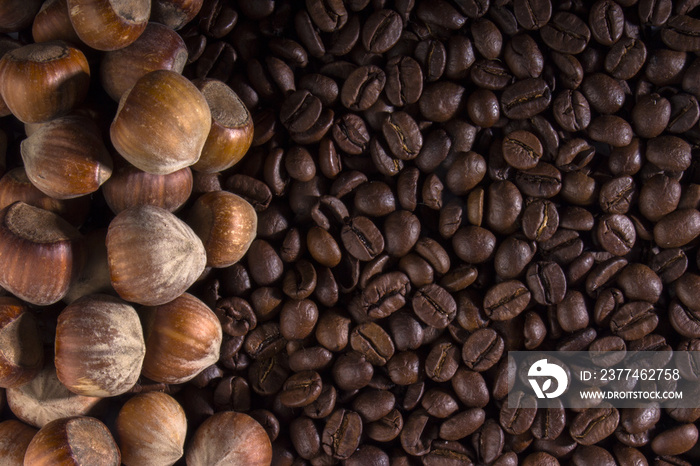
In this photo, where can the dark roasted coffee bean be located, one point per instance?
(301, 389)
(525, 98)
(616, 234)
(490, 74)
(522, 150)
(504, 207)
(639, 282)
(404, 368)
(669, 264)
(594, 424)
(432, 56)
(506, 300)
(676, 440)
(617, 195)
(680, 33)
(387, 428)
(540, 220)
(571, 110)
(381, 31)
(482, 350)
(572, 312)
(441, 101)
(677, 228)
(434, 306)
(610, 129)
(488, 441)
(382, 296)
(342, 433)
(373, 342)
(352, 371)
(404, 81)
(566, 33)
(523, 57)
(546, 282)
(606, 20)
(669, 153)
(402, 135)
(362, 239)
(517, 416)
(634, 320)
(473, 244)
(532, 14)
(513, 255)
(542, 181)
(362, 88)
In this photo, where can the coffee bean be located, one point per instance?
(506, 300)
(482, 350)
(594, 424)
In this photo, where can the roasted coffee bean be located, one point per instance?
(594, 424)
(540, 220)
(440, 101)
(517, 417)
(381, 31)
(298, 319)
(610, 129)
(490, 74)
(432, 56)
(404, 368)
(342, 433)
(522, 150)
(634, 320)
(488, 441)
(546, 282)
(434, 306)
(387, 428)
(532, 14)
(404, 81)
(639, 282)
(382, 296)
(506, 300)
(362, 239)
(482, 350)
(677, 228)
(362, 88)
(616, 234)
(571, 110)
(525, 98)
(373, 342)
(566, 33)
(301, 389)
(402, 135)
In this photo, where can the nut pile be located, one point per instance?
(308, 232)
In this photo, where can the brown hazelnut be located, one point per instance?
(151, 429)
(21, 350)
(158, 48)
(228, 437)
(42, 254)
(15, 186)
(45, 399)
(130, 186)
(73, 440)
(109, 24)
(52, 22)
(40, 82)
(227, 225)
(14, 440)
(6, 44)
(66, 158)
(16, 15)
(175, 13)
(231, 131)
(99, 346)
(153, 255)
(183, 337)
(162, 123)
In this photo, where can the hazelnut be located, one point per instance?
(73, 440)
(66, 158)
(21, 350)
(14, 440)
(99, 346)
(227, 225)
(109, 24)
(130, 186)
(15, 186)
(153, 255)
(158, 48)
(231, 131)
(175, 13)
(162, 123)
(228, 437)
(42, 81)
(45, 399)
(6, 44)
(183, 337)
(42, 254)
(16, 15)
(151, 429)
(52, 22)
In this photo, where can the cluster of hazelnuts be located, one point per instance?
(125, 312)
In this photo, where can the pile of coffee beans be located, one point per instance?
(439, 182)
